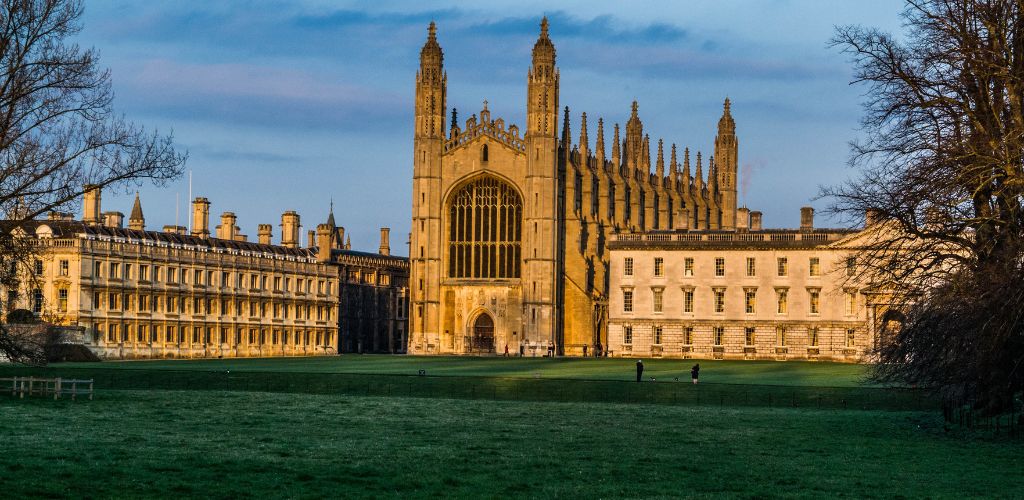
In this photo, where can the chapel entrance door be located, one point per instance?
(483, 333)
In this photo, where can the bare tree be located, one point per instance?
(58, 130)
(941, 167)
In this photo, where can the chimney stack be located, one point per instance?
(201, 217)
(91, 210)
(264, 232)
(323, 242)
(176, 229)
(742, 219)
(755, 220)
(226, 229)
(806, 219)
(311, 238)
(871, 217)
(113, 219)
(385, 241)
(290, 229)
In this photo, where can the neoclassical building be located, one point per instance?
(750, 294)
(510, 227)
(140, 293)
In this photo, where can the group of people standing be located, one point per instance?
(694, 371)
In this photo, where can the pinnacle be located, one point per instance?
(544, 27)
(432, 31)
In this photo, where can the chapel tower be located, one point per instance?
(428, 143)
(726, 148)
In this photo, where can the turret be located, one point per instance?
(726, 164)
(542, 88)
(431, 88)
(136, 220)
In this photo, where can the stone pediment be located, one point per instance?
(495, 129)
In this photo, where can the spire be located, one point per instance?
(673, 169)
(566, 134)
(616, 153)
(455, 122)
(660, 166)
(645, 155)
(698, 179)
(431, 83)
(544, 50)
(599, 146)
(634, 137)
(137, 221)
(348, 243)
(330, 216)
(726, 123)
(584, 140)
(431, 49)
(686, 168)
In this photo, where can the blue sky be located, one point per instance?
(286, 105)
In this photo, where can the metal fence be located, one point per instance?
(499, 388)
(962, 413)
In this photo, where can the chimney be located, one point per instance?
(60, 216)
(742, 219)
(201, 217)
(871, 217)
(311, 238)
(385, 241)
(227, 229)
(290, 229)
(806, 219)
(113, 219)
(240, 237)
(263, 233)
(323, 242)
(176, 229)
(91, 210)
(341, 239)
(755, 220)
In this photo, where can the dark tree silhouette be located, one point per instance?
(58, 132)
(941, 170)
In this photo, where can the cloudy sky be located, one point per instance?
(286, 105)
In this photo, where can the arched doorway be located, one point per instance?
(483, 333)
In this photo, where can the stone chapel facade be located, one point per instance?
(510, 228)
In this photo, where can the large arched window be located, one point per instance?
(484, 230)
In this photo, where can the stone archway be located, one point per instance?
(483, 333)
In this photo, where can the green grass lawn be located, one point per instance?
(735, 372)
(246, 444)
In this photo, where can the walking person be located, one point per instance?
(639, 369)
(506, 350)
(584, 350)
(694, 372)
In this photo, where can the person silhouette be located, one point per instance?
(695, 372)
(639, 369)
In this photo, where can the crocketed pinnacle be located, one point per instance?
(431, 51)
(544, 50)
(726, 123)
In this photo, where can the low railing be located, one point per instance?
(728, 237)
(57, 387)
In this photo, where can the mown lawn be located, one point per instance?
(734, 372)
(239, 444)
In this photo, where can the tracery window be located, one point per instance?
(485, 230)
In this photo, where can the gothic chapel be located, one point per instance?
(509, 228)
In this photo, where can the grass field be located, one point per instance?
(794, 373)
(239, 444)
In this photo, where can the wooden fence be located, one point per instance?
(57, 387)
